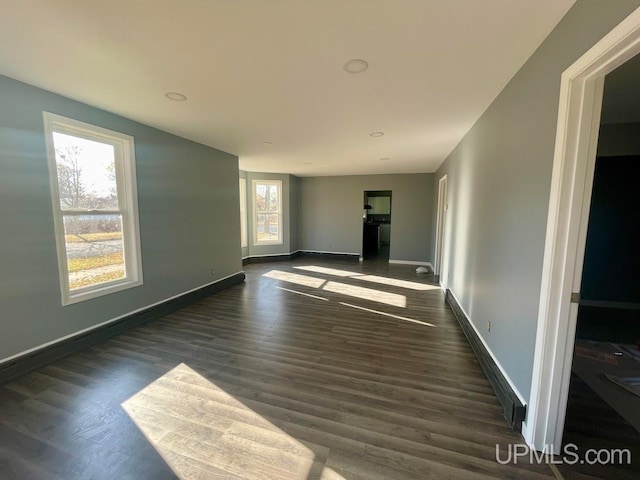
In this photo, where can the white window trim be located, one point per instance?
(127, 199)
(244, 237)
(280, 241)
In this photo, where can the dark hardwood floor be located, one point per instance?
(592, 424)
(312, 369)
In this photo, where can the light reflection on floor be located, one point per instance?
(373, 295)
(203, 432)
(394, 282)
(370, 294)
(397, 317)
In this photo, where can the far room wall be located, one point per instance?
(331, 210)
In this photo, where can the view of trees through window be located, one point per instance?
(267, 212)
(88, 196)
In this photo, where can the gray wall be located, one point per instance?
(331, 213)
(499, 180)
(189, 220)
(245, 250)
(294, 213)
(289, 221)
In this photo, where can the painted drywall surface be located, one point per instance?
(189, 220)
(245, 250)
(294, 213)
(285, 247)
(499, 180)
(331, 211)
(619, 139)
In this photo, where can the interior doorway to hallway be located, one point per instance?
(376, 225)
(581, 95)
(441, 222)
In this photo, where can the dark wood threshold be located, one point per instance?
(292, 256)
(26, 363)
(514, 410)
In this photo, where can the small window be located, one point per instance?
(243, 213)
(267, 218)
(95, 208)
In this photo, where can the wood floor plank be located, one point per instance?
(270, 379)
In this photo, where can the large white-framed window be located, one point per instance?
(267, 216)
(244, 242)
(95, 208)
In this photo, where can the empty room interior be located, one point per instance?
(338, 240)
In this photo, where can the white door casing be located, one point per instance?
(580, 104)
(440, 229)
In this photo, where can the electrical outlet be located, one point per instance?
(213, 271)
(489, 326)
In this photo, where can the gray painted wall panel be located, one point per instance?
(499, 180)
(189, 220)
(331, 213)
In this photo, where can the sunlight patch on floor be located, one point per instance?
(328, 271)
(203, 432)
(394, 282)
(406, 319)
(370, 294)
(302, 293)
(369, 278)
(305, 280)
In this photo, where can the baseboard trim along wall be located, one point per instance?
(273, 257)
(42, 355)
(329, 255)
(283, 257)
(514, 408)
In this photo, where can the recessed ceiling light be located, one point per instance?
(356, 65)
(376, 134)
(175, 96)
(266, 144)
(385, 159)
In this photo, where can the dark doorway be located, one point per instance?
(376, 225)
(603, 409)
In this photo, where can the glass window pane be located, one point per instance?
(273, 226)
(273, 198)
(261, 198)
(261, 228)
(86, 173)
(95, 250)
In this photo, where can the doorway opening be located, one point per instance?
(441, 222)
(578, 126)
(376, 225)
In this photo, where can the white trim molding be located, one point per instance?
(126, 193)
(572, 178)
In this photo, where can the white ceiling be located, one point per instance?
(272, 71)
